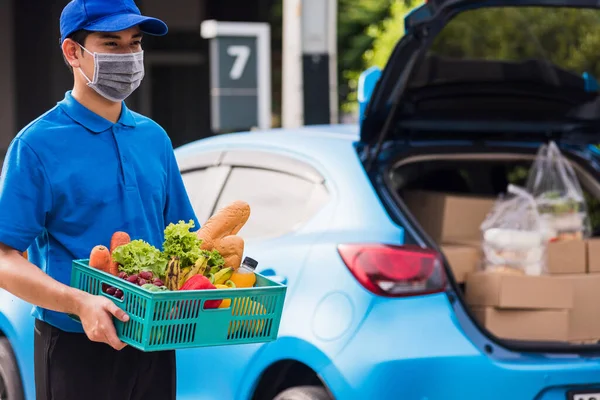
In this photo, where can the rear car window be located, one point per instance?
(551, 44)
(516, 63)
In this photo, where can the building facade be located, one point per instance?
(175, 91)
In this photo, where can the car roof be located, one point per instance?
(316, 139)
(324, 147)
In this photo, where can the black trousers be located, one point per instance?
(70, 366)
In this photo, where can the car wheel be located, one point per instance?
(304, 393)
(10, 382)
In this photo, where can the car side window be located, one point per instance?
(203, 186)
(280, 202)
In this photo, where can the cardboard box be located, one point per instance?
(551, 325)
(463, 260)
(518, 291)
(446, 217)
(465, 242)
(584, 317)
(593, 255)
(566, 257)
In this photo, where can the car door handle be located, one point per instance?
(271, 274)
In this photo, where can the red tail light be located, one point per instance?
(395, 271)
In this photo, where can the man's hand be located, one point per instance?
(26, 281)
(95, 313)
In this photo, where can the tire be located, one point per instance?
(304, 393)
(10, 381)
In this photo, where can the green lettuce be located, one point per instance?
(137, 256)
(215, 259)
(180, 241)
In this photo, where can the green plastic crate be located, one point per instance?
(177, 319)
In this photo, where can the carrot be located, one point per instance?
(118, 239)
(114, 267)
(100, 258)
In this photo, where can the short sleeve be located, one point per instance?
(178, 205)
(25, 197)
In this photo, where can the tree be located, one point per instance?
(382, 36)
(569, 38)
(355, 19)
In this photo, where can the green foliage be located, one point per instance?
(567, 37)
(381, 37)
(355, 19)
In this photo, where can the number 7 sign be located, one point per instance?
(241, 54)
(240, 75)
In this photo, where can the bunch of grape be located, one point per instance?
(137, 279)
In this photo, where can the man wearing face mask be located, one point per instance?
(83, 170)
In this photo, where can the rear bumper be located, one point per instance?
(464, 378)
(414, 349)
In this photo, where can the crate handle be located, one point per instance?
(113, 298)
(213, 310)
(204, 309)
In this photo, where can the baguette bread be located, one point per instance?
(219, 232)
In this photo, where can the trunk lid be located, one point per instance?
(491, 70)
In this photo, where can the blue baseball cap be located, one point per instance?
(106, 16)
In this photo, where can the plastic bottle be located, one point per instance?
(244, 276)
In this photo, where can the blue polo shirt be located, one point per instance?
(72, 178)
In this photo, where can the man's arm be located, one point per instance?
(26, 281)
(25, 201)
(23, 279)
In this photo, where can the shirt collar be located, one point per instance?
(91, 120)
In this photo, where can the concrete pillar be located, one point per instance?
(319, 61)
(309, 62)
(292, 111)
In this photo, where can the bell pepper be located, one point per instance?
(200, 282)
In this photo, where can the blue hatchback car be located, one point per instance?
(373, 310)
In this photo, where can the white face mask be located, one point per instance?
(116, 76)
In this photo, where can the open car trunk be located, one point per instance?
(450, 194)
(494, 75)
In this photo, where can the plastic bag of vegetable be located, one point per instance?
(556, 189)
(513, 239)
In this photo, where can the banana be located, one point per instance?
(184, 275)
(213, 270)
(200, 266)
(188, 272)
(221, 286)
(223, 275)
(172, 275)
